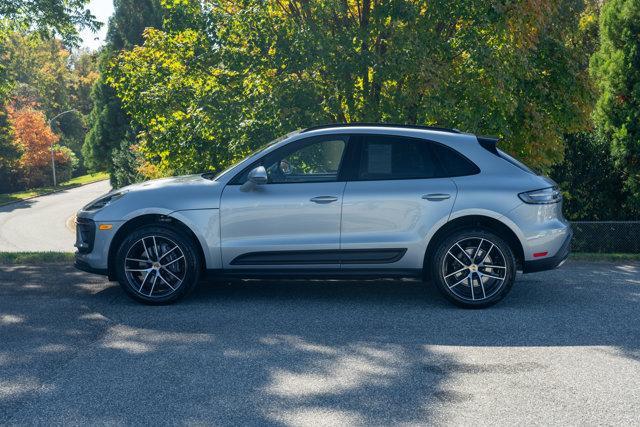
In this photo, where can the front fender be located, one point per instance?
(205, 225)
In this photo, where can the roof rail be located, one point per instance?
(336, 125)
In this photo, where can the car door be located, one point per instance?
(397, 193)
(292, 221)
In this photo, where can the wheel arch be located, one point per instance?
(474, 221)
(150, 219)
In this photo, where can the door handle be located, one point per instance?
(324, 199)
(436, 197)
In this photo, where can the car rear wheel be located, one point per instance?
(157, 265)
(473, 268)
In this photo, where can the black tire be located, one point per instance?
(177, 273)
(477, 286)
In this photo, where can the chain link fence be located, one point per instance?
(606, 236)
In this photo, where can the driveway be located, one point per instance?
(563, 348)
(43, 223)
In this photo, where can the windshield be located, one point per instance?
(215, 177)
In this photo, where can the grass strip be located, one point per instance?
(42, 191)
(594, 256)
(31, 258)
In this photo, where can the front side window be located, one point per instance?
(315, 159)
(386, 157)
(316, 162)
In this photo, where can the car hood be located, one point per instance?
(164, 196)
(164, 184)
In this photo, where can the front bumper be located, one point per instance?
(85, 235)
(93, 244)
(550, 263)
(84, 266)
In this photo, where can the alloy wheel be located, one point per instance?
(155, 266)
(474, 269)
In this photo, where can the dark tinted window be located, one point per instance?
(454, 163)
(395, 157)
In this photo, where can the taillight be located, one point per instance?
(541, 197)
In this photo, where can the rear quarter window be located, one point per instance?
(454, 163)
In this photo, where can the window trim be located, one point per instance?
(352, 155)
(292, 147)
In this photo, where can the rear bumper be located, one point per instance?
(550, 263)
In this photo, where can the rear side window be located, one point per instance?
(454, 163)
(388, 157)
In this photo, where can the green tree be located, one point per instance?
(40, 72)
(49, 17)
(129, 21)
(48, 77)
(110, 128)
(84, 66)
(589, 180)
(9, 154)
(221, 78)
(615, 68)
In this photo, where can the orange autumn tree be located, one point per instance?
(35, 138)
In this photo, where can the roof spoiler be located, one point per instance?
(489, 143)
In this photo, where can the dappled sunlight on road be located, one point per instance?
(137, 341)
(75, 349)
(355, 367)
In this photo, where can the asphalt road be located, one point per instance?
(563, 348)
(42, 223)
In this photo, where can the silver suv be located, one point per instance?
(339, 201)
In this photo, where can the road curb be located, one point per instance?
(70, 223)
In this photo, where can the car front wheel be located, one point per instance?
(473, 268)
(157, 265)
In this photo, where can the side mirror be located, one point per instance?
(257, 176)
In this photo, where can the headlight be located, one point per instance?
(103, 201)
(541, 197)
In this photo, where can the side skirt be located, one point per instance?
(300, 273)
(338, 256)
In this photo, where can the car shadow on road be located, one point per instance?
(372, 352)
